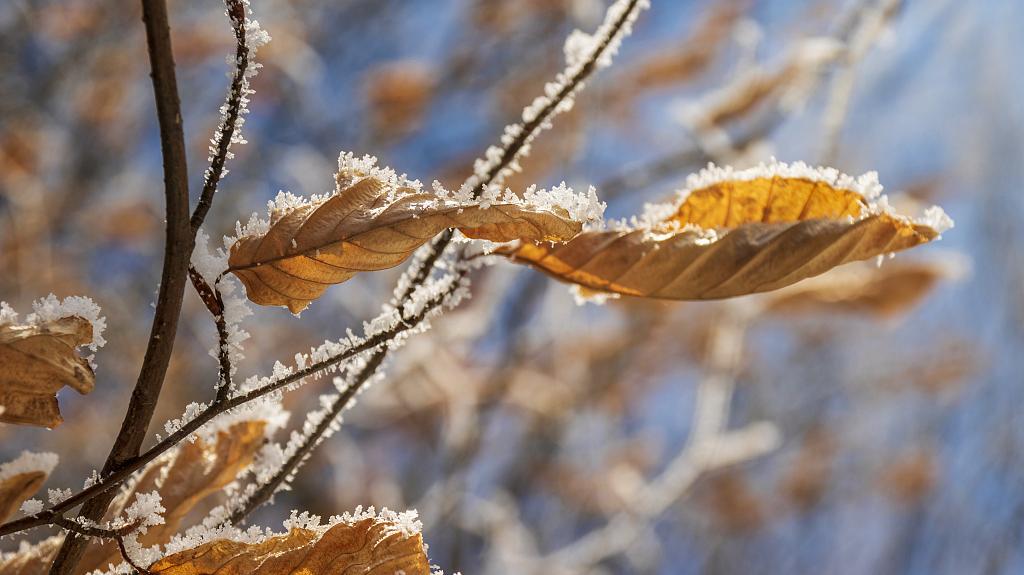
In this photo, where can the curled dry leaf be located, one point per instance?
(375, 221)
(36, 361)
(733, 233)
(366, 547)
(184, 477)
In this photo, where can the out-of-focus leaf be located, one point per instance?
(370, 225)
(186, 476)
(398, 94)
(736, 233)
(365, 547)
(32, 559)
(681, 62)
(38, 360)
(20, 478)
(884, 291)
(761, 87)
(910, 477)
(810, 471)
(734, 503)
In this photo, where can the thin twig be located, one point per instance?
(224, 371)
(117, 535)
(177, 250)
(210, 298)
(232, 110)
(265, 491)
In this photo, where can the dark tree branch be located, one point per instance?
(177, 251)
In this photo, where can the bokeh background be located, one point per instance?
(875, 429)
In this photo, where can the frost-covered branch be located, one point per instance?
(96, 532)
(322, 423)
(248, 38)
(385, 331)
(585, 54)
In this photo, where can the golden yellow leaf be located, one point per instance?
(736, 233)
(372, 222)
(364, 547)
(38, 360)
(21, 478)
(183, 478)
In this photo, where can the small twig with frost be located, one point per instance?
(117, 535)
(328, 418)
(501, 161)
(234, 108)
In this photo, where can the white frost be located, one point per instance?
(866, 185)
(31, 506)
(29, 462)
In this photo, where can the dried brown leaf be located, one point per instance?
(38, 360)
(370, 225)
(736, 233)
(365, 547)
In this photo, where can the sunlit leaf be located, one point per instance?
(372, 223)
(736, 233)
(365, 547)
(38, 360)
